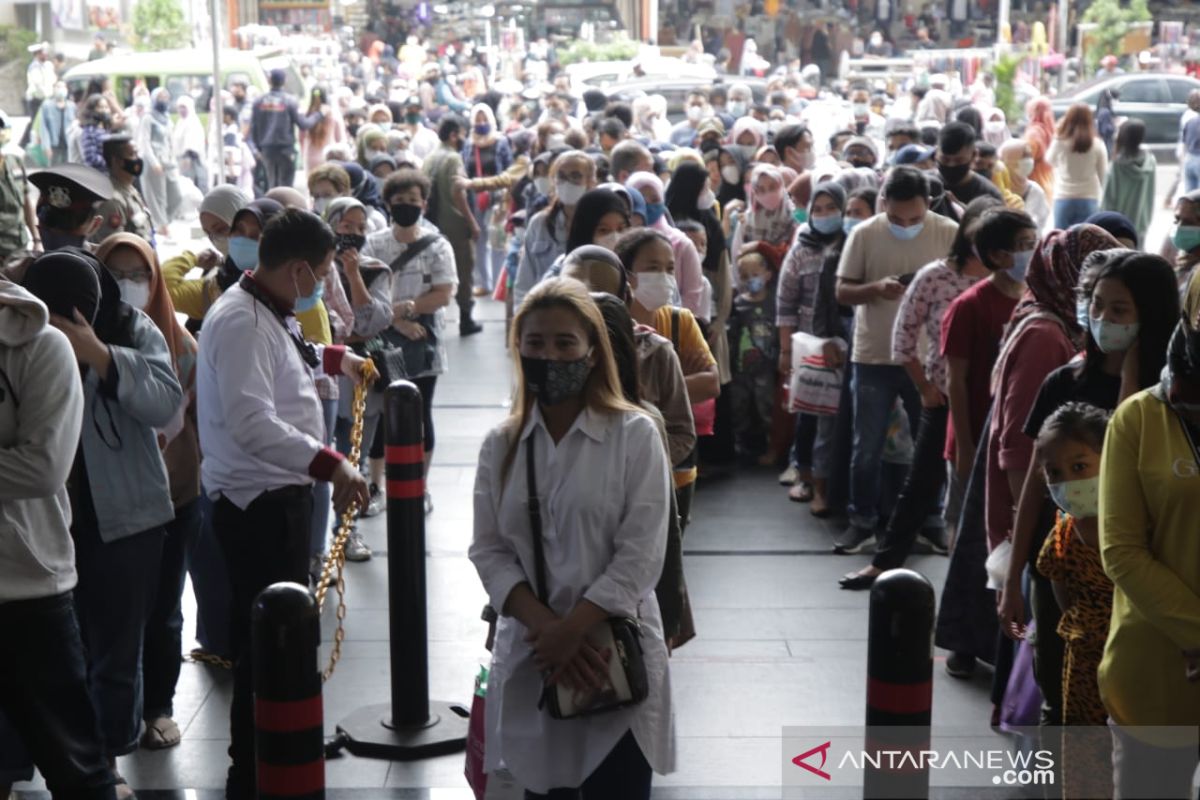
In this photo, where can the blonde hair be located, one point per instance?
(602, 392)
(334, 174)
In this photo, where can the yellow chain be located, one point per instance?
(337, 553)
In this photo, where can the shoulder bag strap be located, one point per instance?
(412, 251)
(675, 329)
(535, 524)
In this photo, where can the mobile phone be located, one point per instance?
(906, 279)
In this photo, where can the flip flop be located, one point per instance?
(160, 734)
(801, 493)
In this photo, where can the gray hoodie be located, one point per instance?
(41, 410)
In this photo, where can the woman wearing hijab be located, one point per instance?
(995, 128)
(193, 296)
(1148, 544)
(768, 217)
(189, 143)
(747, 136)
(732, 168)
(154, 143)
(1040, 133)
(689, 275)
(485, 154)
(1130, 185)
(365, 189)
(120, 496)
(810, 264)
(1118, 225)
(134, 265)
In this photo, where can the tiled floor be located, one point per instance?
(779, 644)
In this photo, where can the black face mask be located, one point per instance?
(101, 119)
(133, 166)
(352, 129)
(953, 176)
(405, 214)
(350, 241)
(858, 161)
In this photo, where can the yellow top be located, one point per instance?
(1003, 182)
(194, 296)
(691, 340)
(1149, 511)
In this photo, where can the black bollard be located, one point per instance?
(412, 726)
(289, 723)
(899, 684)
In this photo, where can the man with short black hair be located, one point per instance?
(262, 431)
(794, 144)
(273, 124)
(610, 133)
(449, 211)
(879, 259)
(126, 210)
(900, 134)
(628, 157)
(697, 109)
(955, 157)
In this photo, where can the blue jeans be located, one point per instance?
(1191, 173)
(323, 490)
(1073, 211)
(874, 388)
(210, 584)
(45, 712)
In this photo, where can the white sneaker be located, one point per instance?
(356, 548)
(789, 476)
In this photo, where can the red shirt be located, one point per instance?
(971, 330)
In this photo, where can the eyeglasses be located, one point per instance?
(137, 276)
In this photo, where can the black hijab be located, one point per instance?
(809, 236)
(687, 184)
(732, 191)
(72, 278)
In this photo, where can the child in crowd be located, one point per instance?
(754, 342)
(1068, 450)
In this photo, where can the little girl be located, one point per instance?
(1068, 449)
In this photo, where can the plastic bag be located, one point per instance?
(476, 777)
(997, 565)
(815, 387)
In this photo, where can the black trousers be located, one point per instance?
(624, 774)
(921, 493)
(280, 164)
(44, 696)
(164, 628)
(265, 543)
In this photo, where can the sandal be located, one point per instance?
(802, 492)
(160, 734)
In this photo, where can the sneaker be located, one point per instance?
(469, 327)
(356, 548)
(960, 665)
(935, 538)
(789, 476)
(854, 540)
(376, 505)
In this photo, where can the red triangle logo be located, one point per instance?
(823, 749)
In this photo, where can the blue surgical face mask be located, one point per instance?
(1020, 265)
(1112, 337)
(756, 284)
(826, 225)
(1186, 238)
(850, 223)
(1079, 498)
(654, 212)
(1083, 312)
(309, 302)
(243, 251)
(906, 233)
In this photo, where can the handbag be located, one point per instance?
(619, 636)
(395, 355)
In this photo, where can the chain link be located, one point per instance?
(336, 560)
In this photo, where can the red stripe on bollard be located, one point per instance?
(291, 780)
(405, 453)
(288, 716)
(405, 490)
(899, 698)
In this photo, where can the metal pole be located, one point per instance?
(1064, 13)
(899, 680)
(216, 113)
(412, 726)
(289, 718)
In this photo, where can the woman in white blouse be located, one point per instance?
(603, 480)
(1080, 162)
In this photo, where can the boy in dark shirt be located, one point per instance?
(754, 345)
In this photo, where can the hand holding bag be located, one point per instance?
(620, 637)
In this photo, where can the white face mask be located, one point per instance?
(542, 185)
(1025, 167)
(569, 193)
(135, 293)
(320, 204)
(695, 113)
(731, 174)
(608, 240)
(654, 289)
(706, 200)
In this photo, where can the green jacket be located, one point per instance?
(1129, 190)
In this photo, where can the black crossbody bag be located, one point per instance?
(621, 636)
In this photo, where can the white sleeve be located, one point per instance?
(498, 565)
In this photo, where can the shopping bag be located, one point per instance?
(816, 386)
(1022, 704)
(501, 291)
(476, 777)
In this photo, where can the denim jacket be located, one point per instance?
(121, 415)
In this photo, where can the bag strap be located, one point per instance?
(535, 524)
(412, 251)
(675, 329)
(478, 162)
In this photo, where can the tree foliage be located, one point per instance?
(160, 25)
(1005, 72)
(14, 42)
(582, 51)
(1112, 20)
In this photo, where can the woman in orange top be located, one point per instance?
(1040, 134)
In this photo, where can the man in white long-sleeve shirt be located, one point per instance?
(263, 436)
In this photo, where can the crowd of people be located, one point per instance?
(1004, 375)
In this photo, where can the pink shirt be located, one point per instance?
(922, 309)
(689, 274)
(1040, 348)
